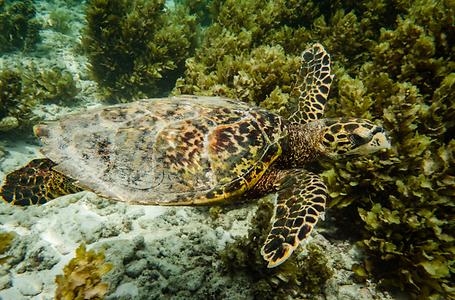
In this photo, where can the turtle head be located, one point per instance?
(352, 137)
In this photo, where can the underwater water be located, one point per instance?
(388, 229)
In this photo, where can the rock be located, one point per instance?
(12, 293)
(40, 258)
(28, 284)
(135, 268)
(5, 282)
(126, 290)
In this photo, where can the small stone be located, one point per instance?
(138, 242)
(135, 268)
(5, 282)
(43, 257)
(126, 291)
(28, 285)
(219, 232)
(12, 293)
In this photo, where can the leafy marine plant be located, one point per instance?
(19, 29)
(24, 87)
(82, 276)
(136, 48)
(243, 51)
(54, 84)
(204, 10)
(248, 77)
(60, 20)
(6, 241)
(14, 109)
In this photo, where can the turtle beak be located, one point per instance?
(376, 140)
(380, 140)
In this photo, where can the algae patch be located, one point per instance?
(6, 240)
(82, 277)
(136, 48)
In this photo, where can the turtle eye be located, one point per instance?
(358, 140)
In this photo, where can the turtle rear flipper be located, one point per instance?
(36, 183)
(301, 201)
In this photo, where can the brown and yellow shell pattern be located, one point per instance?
(178, 150)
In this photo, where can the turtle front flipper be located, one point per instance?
(36, 183)
(314, 85)
(301, 200)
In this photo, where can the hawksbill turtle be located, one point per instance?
(193, 150)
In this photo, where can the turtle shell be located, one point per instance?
(170, 151)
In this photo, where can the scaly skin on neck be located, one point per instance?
(303, 143)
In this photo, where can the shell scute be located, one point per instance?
(179, 150)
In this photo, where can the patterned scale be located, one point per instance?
(164, 150)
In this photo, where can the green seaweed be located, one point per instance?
(6, 239)
(82, 276)
(60, 20)
(24, 87)
(248, 77)
(348, 29)
(204, 10)
(15, 111)
(52, 84)
(238, 41)
(19, 29)
(215, 212)
(136, 48)
(298, 275)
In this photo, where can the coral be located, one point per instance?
(19, 29)
(296, 276)
(82, 278)
(136, 48)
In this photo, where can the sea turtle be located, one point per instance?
(193, 150)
